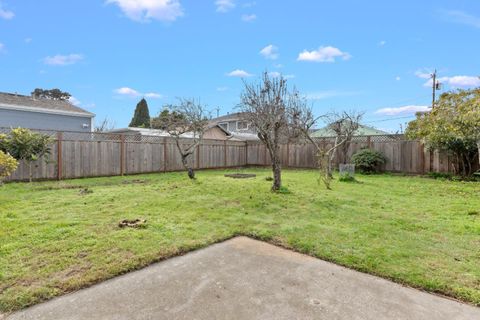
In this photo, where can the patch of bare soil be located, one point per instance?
(137, 223)
(240, 175)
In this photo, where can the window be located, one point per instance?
(242, 125)
(223, 125)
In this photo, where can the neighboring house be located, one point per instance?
(236, 125)
(361, 131)
(212, 132)
(35, 113)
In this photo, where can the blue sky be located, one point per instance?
(373, 56)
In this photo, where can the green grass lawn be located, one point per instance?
(54, 238)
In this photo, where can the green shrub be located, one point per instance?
(8, 165)
(368, 160)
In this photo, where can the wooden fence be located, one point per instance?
(76, 155)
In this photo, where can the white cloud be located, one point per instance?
(126, 91)
(222, 89)
(382, 43)
(460, 81)
(276, 74)
(63, 60)
(423, 74)
(225, 5)
(6, 14)
(270, 52)
(153, 95)
(74, 101)
(398, 78)
(249, 17)
(239, 73)
(146, 10)
(462, 17)
(322, 95)
(2, 47)
(323, 54)
(27, 40)
(405, 110)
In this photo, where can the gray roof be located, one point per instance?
(229, 117)
(61, 106)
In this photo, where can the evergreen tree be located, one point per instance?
(141, 117)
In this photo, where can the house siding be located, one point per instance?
(46, 121)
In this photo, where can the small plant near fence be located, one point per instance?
(23, 144)
(368, 161)
(8, 165)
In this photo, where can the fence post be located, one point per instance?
(165, 154)
(122, 154)
(422, 156)
(288, 154)
(198, 156)
(59, 155)
(369, 142)
(225, 153)
(246, 153)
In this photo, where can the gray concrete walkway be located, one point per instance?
(247, 279)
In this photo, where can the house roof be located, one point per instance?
(361, 131)
(229, 117)
(158, 132)
(28, 103)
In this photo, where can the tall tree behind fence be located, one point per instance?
(76, 155)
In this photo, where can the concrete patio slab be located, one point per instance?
(247, 279)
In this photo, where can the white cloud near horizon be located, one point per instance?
(270, 52)
(126, 91)
(146, 10)
(459, 81)
(6, 14)
(224, 6)
(382, 43)
(239, 73)
(2, 47)
(462, 17)
(222, 89)
(63, 60)
(74, 101)
(405, 110)
(323, 54)
(249, 17)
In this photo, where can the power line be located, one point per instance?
(390, 119)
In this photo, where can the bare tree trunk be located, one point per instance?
(277, 175)
(30, 171)
(191, 173)
(478, 148)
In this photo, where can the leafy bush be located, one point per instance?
(8, 165)
(23, 144)
(368, 160)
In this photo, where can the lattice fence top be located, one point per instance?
(101, 136)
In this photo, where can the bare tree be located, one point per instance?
(343, 124)
(105, 125)
(269, 107)
(187, 117)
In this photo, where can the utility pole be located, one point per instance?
(434, 86)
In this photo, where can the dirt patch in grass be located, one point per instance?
(240, 175)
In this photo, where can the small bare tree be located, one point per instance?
(343, 124)
(187, 117)
(269, 106)
(105, 125)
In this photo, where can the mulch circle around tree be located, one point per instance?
(137, 223)
(240, 175)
